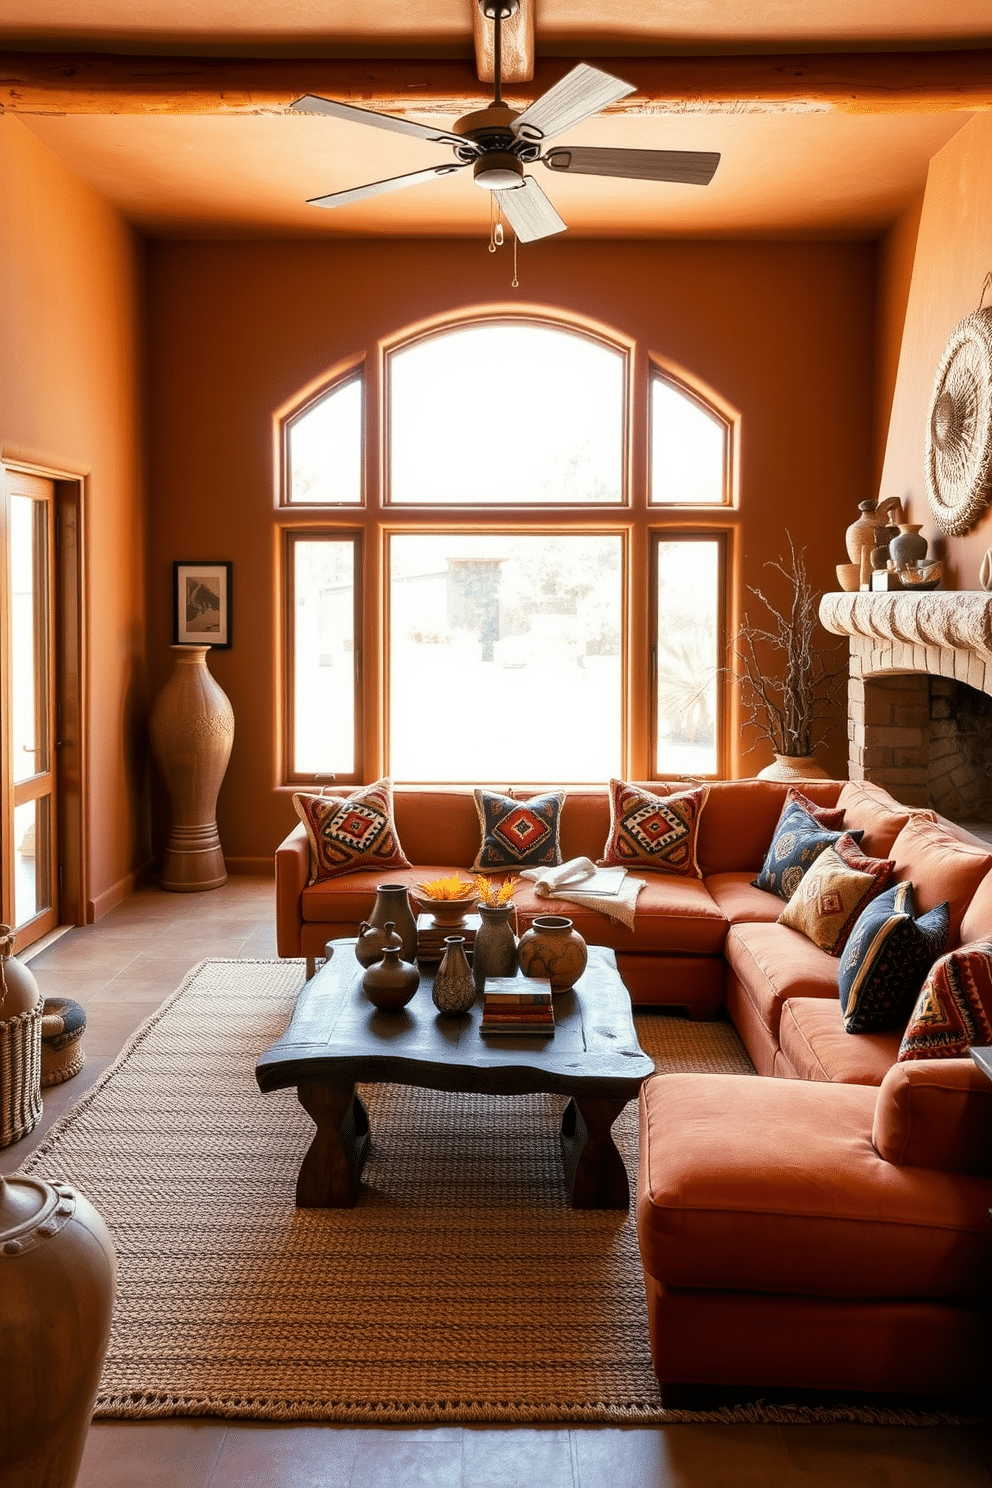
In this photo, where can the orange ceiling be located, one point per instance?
(784, 171)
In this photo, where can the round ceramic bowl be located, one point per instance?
(445, 911)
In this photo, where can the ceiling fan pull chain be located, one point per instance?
(514, 282)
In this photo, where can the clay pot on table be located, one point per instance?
(553, 948)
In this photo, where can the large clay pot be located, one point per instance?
(792, 767)
(862, 535)
(494, 951)
(392, 905)
(21, 1013)
(192, 729)
(57, 1278)
(553, 948)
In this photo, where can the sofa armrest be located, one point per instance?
(292, 873)
(935, 1113)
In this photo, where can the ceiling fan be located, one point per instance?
(498, 142)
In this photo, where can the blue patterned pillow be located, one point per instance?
(798, 842)
(518, 834)
(886, 960)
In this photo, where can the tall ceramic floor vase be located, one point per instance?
(57, 1278)
(192, 728)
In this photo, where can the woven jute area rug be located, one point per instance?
(461, 1287)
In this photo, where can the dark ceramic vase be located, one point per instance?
(909, 547)
(374, 941)
(390, 983)
(454, 989)
(392, 902)
(494, 953)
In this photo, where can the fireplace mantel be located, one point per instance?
(955, 619)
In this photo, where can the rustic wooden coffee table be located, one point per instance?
(337, 1039)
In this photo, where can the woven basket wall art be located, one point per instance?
(959, 429)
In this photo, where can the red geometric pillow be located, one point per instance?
(827, 904)
(954, 1008)
(649, 831)
(831, 817)
(348, 832)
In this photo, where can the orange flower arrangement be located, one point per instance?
(447, 888)
(492, 894)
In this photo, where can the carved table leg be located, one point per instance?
(330, 1172)
(594, 1169)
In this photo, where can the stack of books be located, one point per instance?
(430, 937)
(518, 1005)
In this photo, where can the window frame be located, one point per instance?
(327, 389)
(638, 521)
(291, 536)
(722, 538)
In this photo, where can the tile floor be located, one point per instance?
(121, 969)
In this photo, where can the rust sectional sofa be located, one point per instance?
(828, 1227)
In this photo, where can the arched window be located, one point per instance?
(517, 580)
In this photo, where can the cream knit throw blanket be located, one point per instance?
(619, 901)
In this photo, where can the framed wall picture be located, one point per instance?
(201, 604)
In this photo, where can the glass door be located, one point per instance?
(30, 850)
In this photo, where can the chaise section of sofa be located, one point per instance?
(818, 1235)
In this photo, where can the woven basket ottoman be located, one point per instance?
(62, 1025)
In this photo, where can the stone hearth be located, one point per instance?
(920, 695)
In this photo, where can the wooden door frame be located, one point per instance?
(71, 684)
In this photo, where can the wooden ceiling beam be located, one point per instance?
(868, 82)
(517, 44)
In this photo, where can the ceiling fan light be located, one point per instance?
(498, 171)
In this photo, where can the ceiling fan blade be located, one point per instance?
(311, 104)
(583, 91)
(379, 188)
(528, 211)
(687, 167)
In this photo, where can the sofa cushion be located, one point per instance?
(762, 1185)
(740, 817)
(954, 1008)
(880, 817)
(349, 899)
(935, 1114)
(976, 922)
(349, 832)
(941, 867)
(673, 914)
(796, 845)
(741, 901)
(886, 960)
(772, 964)
(831, 894)
(818, 1047)
(652, 831)
(437, 824)
(518, 834)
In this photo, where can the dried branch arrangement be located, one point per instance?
(796, 709)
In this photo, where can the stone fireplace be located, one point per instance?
(920, 696)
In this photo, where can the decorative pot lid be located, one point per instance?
(959, 428)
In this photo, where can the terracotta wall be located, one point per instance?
(783, 332)
(953, 255)
(70, 401)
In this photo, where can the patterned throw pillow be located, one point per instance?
(796, 845)
(831, 817)
(832, 893)
(349, 832)
(954, 1008)
(649, 831)
(518, 834)
(886, 960)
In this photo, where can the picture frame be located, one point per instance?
(201, 603)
